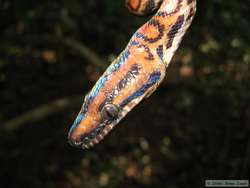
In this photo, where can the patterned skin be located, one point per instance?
(136, 73)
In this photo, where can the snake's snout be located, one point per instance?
(86, 131)
(73, 141)
(85, 141)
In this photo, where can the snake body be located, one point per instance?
(136, 72)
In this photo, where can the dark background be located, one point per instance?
(194, 127)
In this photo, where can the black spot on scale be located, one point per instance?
(131, 74)
(159, 51)
(178, 24)
(149, 7)
(158, 26)
(88, 137)
(166, 14)
(174, 30)
(152, 80)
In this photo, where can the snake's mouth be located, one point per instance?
(88, 140)
(95, 136)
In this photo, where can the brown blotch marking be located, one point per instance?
(174, 30)
(151, 32)
(133, 5)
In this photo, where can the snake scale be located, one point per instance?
(136, 72)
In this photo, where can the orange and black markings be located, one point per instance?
(137, 72)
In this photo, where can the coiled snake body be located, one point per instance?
(136, 73)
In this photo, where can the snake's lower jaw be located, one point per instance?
(88, 140)
(73, 142)
(97, 138)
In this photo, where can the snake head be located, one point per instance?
(136, 73)
(123, 85)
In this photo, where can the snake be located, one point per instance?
(136, 73)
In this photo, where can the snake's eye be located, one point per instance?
(109, 112)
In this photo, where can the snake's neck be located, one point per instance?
(163, 33)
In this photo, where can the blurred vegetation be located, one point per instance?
(195, 127)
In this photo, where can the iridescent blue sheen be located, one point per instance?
(133, 43)
(112, 68)
(159, 51)
(77, 121)
(100, 83)
(121, 60)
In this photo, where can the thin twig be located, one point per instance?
(46, 110)
(85, 52)
(40, 112)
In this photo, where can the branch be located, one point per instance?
(40, 112)
(46, 110)
(85, 52)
